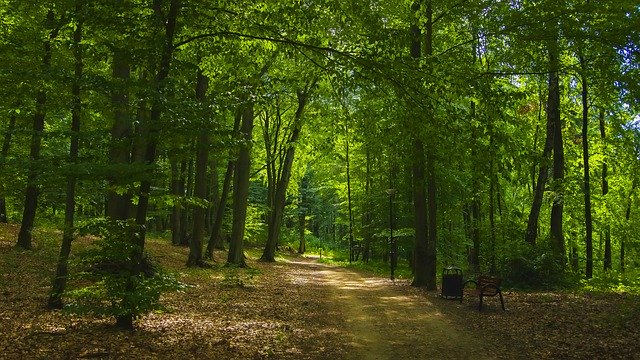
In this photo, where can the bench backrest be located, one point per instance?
(484, 280)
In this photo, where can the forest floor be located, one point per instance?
(299, 308)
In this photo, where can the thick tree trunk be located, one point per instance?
(200, 187)
(282, 183)
(118, 203)
(553, 108)
(241, 190)
(31, 192)
(60, 279)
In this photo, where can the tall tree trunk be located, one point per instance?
(241, 190)
(216, 239)
(349, 204)
(31, 192)
(627, 216)
(277, 211)
(176, 210)
(169, 23)
(425, 219)
(474, 256)
(60, 279)
(366, 217)
(186, 171)
(6, 145)
(543, 174)
(557, 235)
(302, 225)
(605, 190)
(200, 187)
(585, 157)
(118, 202)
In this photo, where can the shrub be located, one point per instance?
(118, 280)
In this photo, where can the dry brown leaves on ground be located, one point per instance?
(276, 311)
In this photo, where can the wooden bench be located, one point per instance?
(486, 286)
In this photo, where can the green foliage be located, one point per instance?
(117, 280)
(613, 281)
(531, 267)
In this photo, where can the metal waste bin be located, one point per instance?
(451, 283)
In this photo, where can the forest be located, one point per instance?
(502, 137)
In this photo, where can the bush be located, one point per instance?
(533, 267)
(119, 281)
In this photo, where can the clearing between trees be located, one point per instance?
(299, 308)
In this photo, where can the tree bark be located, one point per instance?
(60, 279)
(627, 216)
(241, 190)
(587, 181)
(366, 217)
(119, 202)
(200, 187)
(31, 192)
(176, 210)
(557, 235)
(605, 190)
(543, 174)
(425, 219)
(6, 145)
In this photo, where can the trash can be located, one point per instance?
(451, 283)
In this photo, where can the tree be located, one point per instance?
(62, 272)
(31, 192)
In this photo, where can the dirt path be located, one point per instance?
(379, 319)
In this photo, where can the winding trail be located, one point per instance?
(380, 319)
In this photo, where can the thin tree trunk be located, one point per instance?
(557, 235)
(216, 240)
(605, 190)
(200, 187)
(60, 279)
(176, 210)
(425, 219)
(241, 190)
(627, 216)
(126, 320)
(282, 183)
(543, 174)
(474, 256)
(366, 217)
(6, 145)
(31, 192)
(349, 205)
(587, 182)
